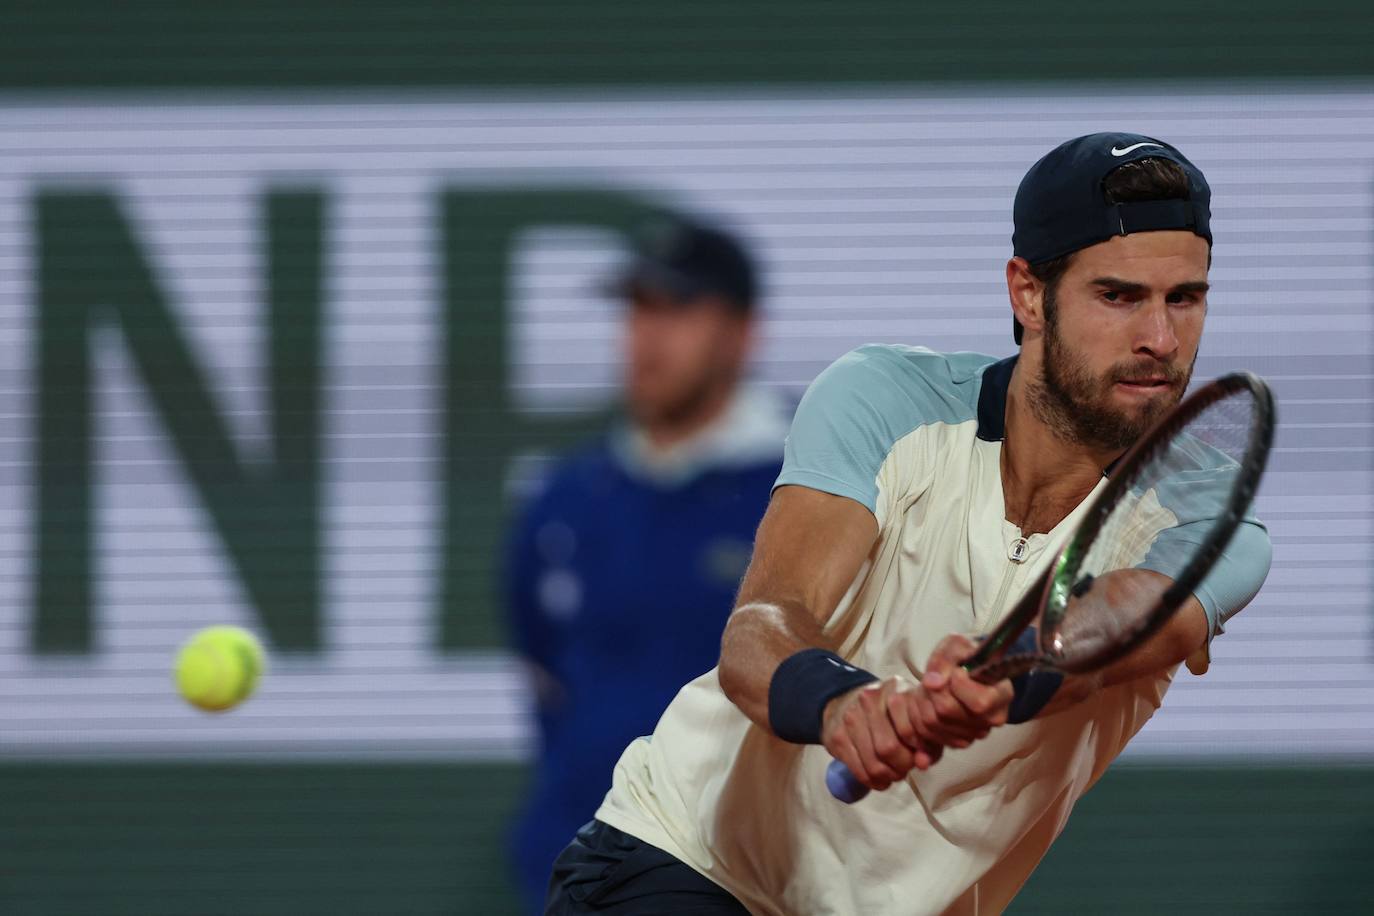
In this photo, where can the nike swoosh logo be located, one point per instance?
(1133, 146)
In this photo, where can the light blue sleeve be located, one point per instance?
(1195, 496)
(857, 409)
(1235, 578)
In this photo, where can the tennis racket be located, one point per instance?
(1171, 505)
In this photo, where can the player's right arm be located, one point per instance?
(809, 549)
(836, 488)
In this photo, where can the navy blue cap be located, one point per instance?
(1061, 206)
(686, 260)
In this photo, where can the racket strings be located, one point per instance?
(1176, 493)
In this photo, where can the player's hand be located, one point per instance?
(873, 729)
(955, 709)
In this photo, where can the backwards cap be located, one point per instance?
(1061, 204)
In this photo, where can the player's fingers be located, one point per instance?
(985, 702)
(928, 756)
(890, 749)
(864, 721)
(853, 735)
(871, 771)
(932, 725)
(930, 731)
(887, 748)
(948, 655)
(927, 751)
(953, 718)
(900, 714)
(846, 737)
(843, 750)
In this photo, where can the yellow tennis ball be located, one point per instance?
(218, 668)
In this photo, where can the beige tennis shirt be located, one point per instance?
(915, 436)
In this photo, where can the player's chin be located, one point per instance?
(1121, 425)
(1141, 405)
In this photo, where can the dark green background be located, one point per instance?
(346, 44)
(344, 839)
(172, 840)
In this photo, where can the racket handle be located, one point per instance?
(843, 784)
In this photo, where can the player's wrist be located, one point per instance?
(1033, 690)
(802, 687)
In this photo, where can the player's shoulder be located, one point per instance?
(857, 412)
(921, 363)
(908, 385)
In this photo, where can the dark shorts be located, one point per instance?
(607, 871)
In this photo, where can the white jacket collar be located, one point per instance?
(750, 430)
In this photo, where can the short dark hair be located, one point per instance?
(1144, 179)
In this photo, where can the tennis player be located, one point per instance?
(921, 494)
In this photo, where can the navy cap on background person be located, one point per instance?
(1061, 205)
(685, 260)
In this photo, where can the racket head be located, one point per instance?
(1171, 505)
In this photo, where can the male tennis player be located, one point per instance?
(921, 493)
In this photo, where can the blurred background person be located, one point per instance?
(623, 567)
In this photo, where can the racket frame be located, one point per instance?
(1048, 598)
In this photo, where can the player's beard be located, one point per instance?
(1076, 404)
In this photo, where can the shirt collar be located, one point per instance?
(992, 400)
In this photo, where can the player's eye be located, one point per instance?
(1111, 295)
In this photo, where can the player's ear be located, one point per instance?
(1027, 295)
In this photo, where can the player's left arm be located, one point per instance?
(954, 694)
(1233, 582)
(1184, 634)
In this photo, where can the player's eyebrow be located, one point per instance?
(1192, 287)
(1120, 285)
(1195, 287)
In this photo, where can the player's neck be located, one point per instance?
(1044, 476)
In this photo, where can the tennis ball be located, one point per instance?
(219, 667)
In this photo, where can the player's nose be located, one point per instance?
(1155, 331)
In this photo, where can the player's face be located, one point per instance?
(681, 357)
(1121, 335)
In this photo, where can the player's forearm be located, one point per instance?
(808, 550)
(1183, 635)
(758, 637)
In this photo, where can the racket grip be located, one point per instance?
(843, 784)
